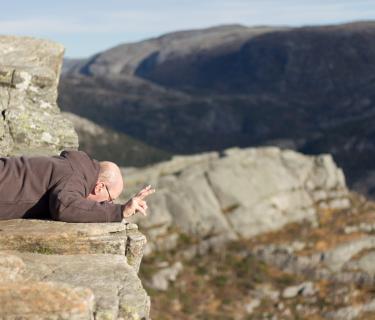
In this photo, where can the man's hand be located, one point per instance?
(137, 203)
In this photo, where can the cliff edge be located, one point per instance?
(48, 269)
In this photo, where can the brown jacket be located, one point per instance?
(53, 188)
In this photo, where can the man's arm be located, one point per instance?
(67, 203)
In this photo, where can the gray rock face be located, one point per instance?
(116, 287)
(72, 238)
(245, 193)
(11, 268)
(91, 267)
(22, 300)
(53, 270)
(31, 122)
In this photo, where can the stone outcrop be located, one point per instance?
(91, 267)
(30, 121)
(44, 300)
(55, 270)
(323, 270)
(237, 195)
(346, 263)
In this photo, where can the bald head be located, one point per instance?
(110, 174)
(109, 184)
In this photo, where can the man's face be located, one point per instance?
(102, 192)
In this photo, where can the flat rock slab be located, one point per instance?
(101, 257)
(52, 237)
(115, 285)
(11, 268)
(45, 300)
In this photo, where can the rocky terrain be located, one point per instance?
(300, 272)
(56, 270)
(258, 233)
(309, 89)
(240, 233)
(48, 269)
(238, 194)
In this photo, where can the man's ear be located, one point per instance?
(98, 187)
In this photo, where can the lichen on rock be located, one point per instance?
(30, 121)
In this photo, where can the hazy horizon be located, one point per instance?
(208, 27)
(87, 29)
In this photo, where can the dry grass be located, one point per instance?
(218, 285)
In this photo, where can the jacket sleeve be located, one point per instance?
(67, 203)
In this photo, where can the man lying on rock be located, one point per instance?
(71, 187)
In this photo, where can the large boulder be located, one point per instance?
(239, 194)
(31, 122)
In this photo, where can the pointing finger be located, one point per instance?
(144, 190)
(146, 193)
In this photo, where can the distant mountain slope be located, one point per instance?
(125, 59)
(310, 88)
(309, 60)
(104, 144)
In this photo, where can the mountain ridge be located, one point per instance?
(310, 87)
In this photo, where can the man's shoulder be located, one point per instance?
(82, 163)
(77, 156)
(74, 154)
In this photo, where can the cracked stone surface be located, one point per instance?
(116, 287)
(98, 262)
(238, 194)
(54, 237)
(45, 300)
(30, 121)
(62, 238)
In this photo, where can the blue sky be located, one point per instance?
(90, 26)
